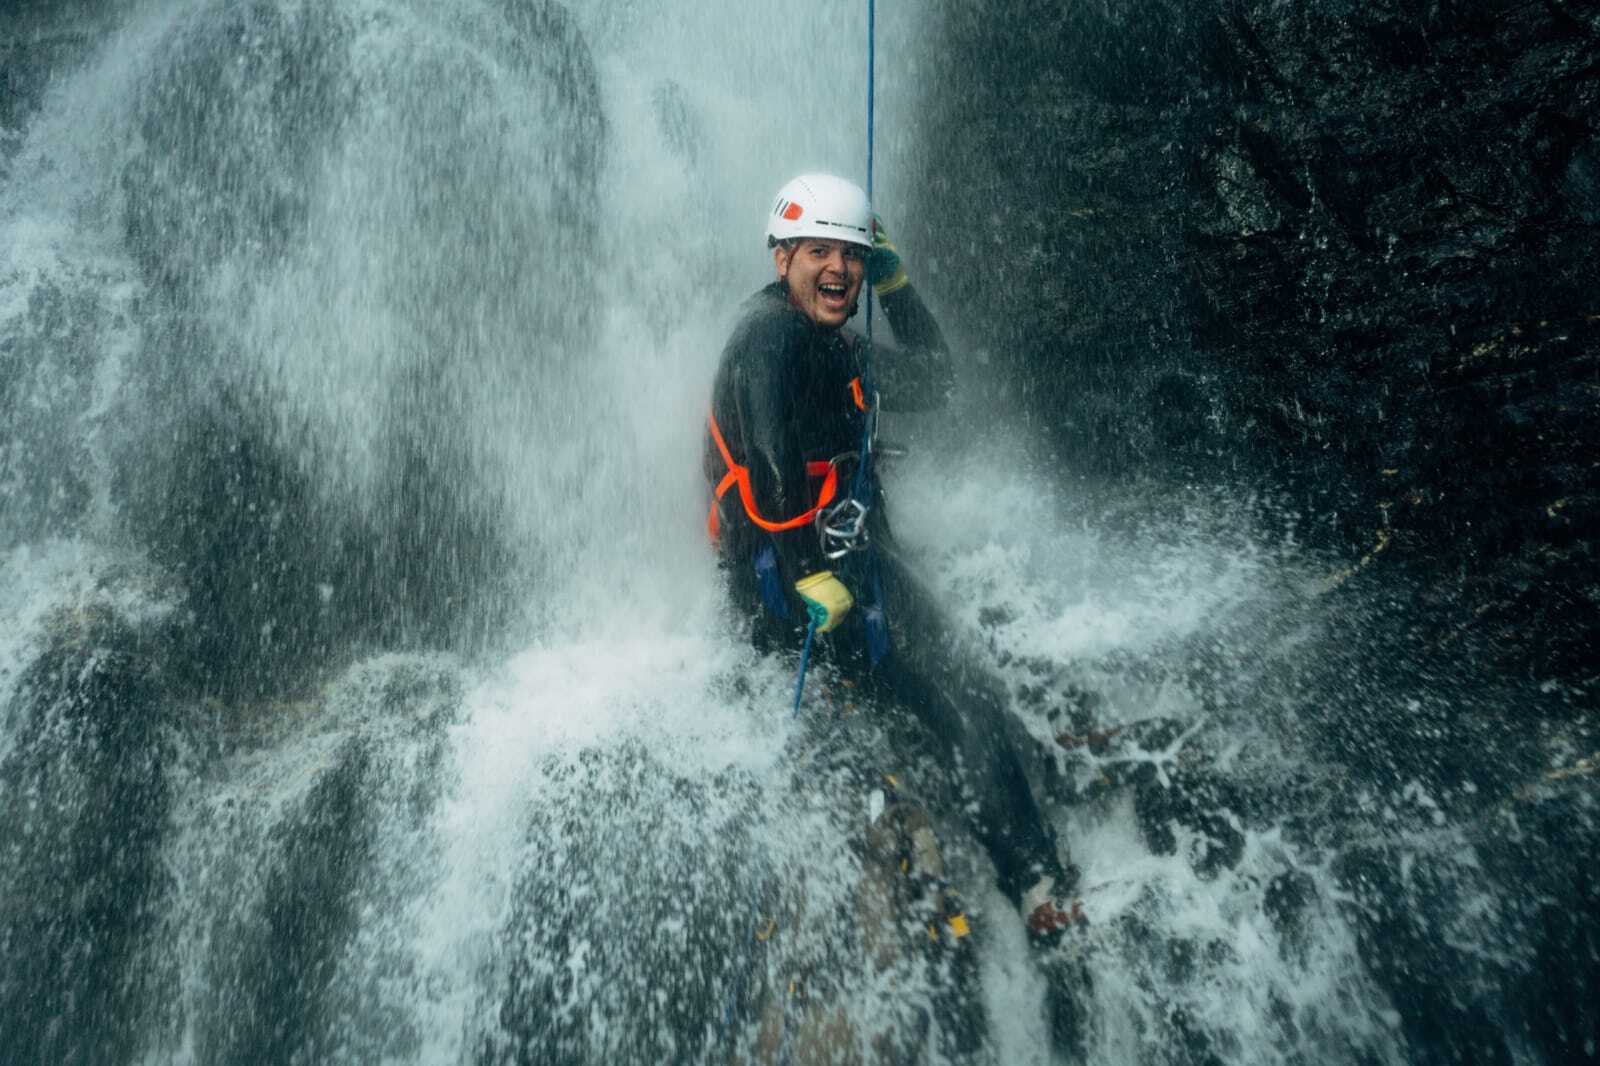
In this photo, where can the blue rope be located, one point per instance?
(872, 60)
(859, 482)
(805, 660)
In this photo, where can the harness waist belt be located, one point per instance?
(739, 474)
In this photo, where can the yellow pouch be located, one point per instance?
(826, 599)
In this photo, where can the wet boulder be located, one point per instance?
(90, 747)
(719, 918)
(300, 872)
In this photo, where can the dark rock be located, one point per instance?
(667, 954)
(293, 561)
(1203, 803)
(1555, 981)
(297, 885)
(269, 988)
(1337, 257)
(85, 782)
(1340, 251)
(47, 376)
(1286, 897)
(717, 939)
(1069, 984)
(1448, 1014)
(280, 582)
(40, 41)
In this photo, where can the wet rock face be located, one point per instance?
(278, 579)
(305, 438)
(47, 369)
(732, 932)
(50, 345)
(233, 128)
(1523, 967)
(310, 452)
(1333, 255)
(85, 782)
(272, 984)
(298, 883)
(1337, 251)
(645, 967)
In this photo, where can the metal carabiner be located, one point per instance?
(842, 528)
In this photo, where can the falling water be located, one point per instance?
(369, 694)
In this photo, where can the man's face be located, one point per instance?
(824, 277)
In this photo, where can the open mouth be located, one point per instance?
(832, 290)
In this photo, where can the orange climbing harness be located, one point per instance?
(739, 474)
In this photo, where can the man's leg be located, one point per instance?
(963, 706)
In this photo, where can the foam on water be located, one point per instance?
(1040, 579)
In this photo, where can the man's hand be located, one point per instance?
(827, 600)
(884, 269)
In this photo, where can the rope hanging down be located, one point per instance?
(858, 487)
(860, 479)
(872, 60)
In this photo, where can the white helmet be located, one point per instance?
(820, 205)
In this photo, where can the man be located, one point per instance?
(791, 408)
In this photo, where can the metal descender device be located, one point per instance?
(842, 528)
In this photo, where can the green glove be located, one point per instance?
(827, 600)
(884, 269)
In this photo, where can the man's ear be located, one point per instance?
(781, 254)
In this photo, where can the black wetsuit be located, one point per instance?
(783, 397)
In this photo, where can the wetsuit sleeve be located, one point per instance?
(915, 373)
(765, 392)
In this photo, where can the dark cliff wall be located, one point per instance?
(1339, 253)
(1335, 259)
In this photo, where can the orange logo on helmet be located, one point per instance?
(793, 212)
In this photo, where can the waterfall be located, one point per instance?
(368, 691)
